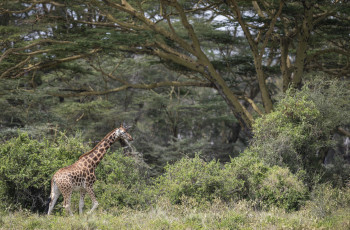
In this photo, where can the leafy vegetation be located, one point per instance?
(300, 132)
(239, 109)
(27, 165)
(266, 185)
(243, 178)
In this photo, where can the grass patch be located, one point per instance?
(188, 215)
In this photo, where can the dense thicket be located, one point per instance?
(28, 164)
(302, 131)
(283, 171)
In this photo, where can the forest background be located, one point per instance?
(234, 105)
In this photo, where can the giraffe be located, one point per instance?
(80, 176)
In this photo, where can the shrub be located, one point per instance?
(27, 165)
(193, 177)
(282, 189)
(266, 186)
(300, 130)
(121, 183)
(245, 177)
(249, 171)
(190, 177)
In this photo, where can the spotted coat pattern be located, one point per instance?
(80, 176)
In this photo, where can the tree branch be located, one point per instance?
(234, 7)
(271, 27)
(189, 28)
(310, 57)
(22, 63)
(9, 51)
(136, 86)
(34, 3)
(127, 8)
(257, 9)
(343, 132)
(42, 65)
(252, 103)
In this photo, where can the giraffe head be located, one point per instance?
(122, 134)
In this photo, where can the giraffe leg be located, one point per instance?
(81, 202)
(66, 201)
(91, 193)
(55, 193)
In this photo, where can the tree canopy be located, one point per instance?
(175, 69)
(206, 41)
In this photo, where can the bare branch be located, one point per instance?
(34, 52)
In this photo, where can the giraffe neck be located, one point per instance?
(98, 152)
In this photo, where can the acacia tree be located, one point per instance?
(279, 33)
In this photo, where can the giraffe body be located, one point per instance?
(80, 176)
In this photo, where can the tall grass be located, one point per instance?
(187, 215)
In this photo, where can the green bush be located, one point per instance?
(300, 130)
(27, 165)
(289, 135)
(249, 170)
(282, 189)
(245, 177)
(120, 182)
(266, 186)
(191, 177)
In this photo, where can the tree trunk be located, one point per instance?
(262, 84)
(285, 68)
(240, 112)
(303, 38)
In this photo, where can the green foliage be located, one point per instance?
(282, 189)
(121, 183)
(26, 167)
(191, 177)
(266, 186)
(249, 170)
(299, 132)
(245, 177)
(84, 111)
